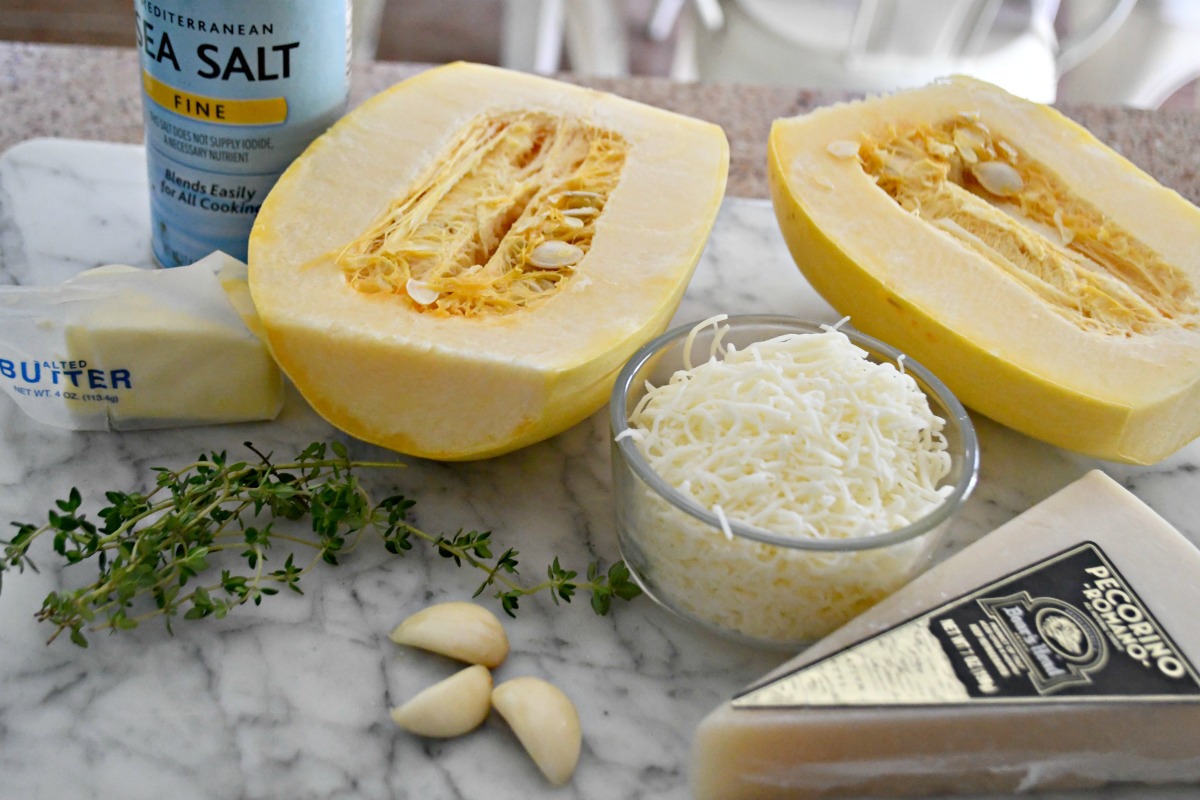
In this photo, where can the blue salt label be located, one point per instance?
(232, 92)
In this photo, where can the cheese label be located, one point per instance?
(1069, 628)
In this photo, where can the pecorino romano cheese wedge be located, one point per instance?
(1059, 651)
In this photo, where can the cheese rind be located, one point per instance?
(977, 745)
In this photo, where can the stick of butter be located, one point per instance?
(119, 348)
(1057, 652)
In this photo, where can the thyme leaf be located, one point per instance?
(154, 552)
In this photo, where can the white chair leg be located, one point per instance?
(533, 35)
(365, 21)
(685, 65)
(1150, 58)
(663, 18)
(597, 42)
(1078, 45)
(711, 15)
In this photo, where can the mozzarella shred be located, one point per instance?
(800, 436)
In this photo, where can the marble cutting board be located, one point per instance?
(291, 699)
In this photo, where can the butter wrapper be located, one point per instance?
(120, 348)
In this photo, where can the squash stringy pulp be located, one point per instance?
(500, 221)
(981, 190)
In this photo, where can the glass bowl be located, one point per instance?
(758, 585)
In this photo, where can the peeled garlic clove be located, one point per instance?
(459, 630)
(554, 254)
(998, 178)
(451, 707)
(546, 722)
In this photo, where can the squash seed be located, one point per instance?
(968, 144)
(843, 148)
(998, 178)
(420, 293)
(555, 255)
(577, 194)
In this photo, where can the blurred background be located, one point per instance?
(1141, 53)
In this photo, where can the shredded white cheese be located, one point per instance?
(799, 436)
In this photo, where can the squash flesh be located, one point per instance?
(1029, 224)
(403, 201)
(1062, 301)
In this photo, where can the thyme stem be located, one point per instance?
(150, 550)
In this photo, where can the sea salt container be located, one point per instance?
(232, 92)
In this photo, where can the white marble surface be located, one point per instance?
(291, 699)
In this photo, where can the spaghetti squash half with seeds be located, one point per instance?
(1051, 284)
(460, 266)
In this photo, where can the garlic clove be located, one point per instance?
(545, 721)
(463, 631)
(457, 705)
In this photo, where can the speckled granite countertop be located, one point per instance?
(92, 93)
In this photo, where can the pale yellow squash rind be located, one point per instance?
(1132, 399)
(472, 387)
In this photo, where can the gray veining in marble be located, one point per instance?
(291, 699)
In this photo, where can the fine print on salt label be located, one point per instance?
(232, 92)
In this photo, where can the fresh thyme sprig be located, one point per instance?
(154, 552)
